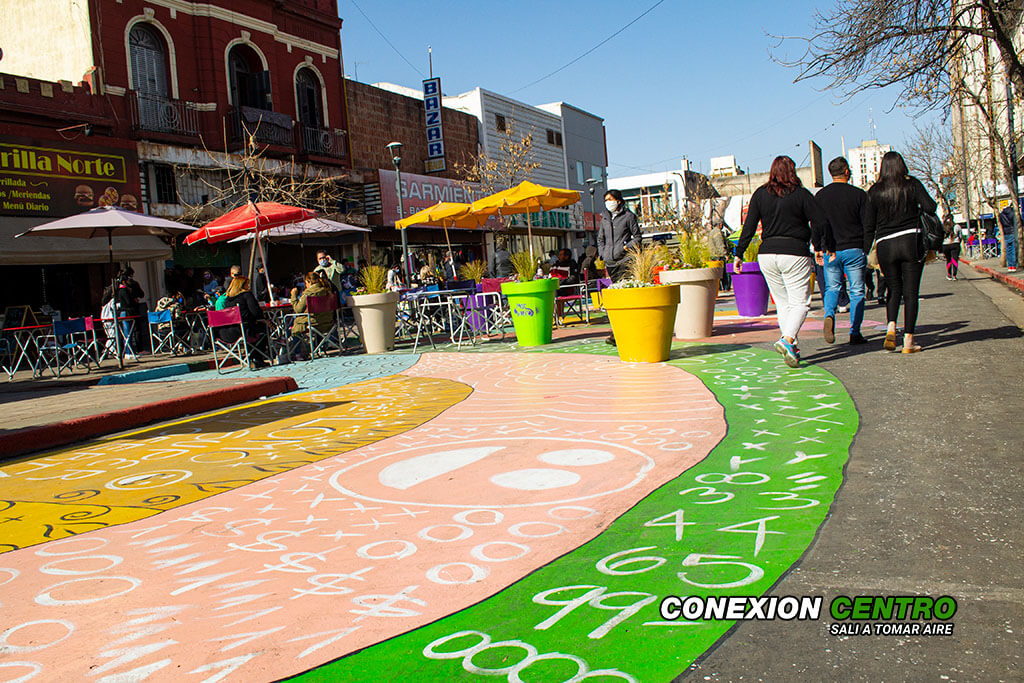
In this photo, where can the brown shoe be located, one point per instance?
(890, 341)
(830, 330)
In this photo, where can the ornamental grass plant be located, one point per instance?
(640, 264)
(374, 279)
(525, 264)
(474, 270)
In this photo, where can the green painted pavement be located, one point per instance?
(732, 525)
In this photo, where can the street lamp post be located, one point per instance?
(591, 185)
(396, 158)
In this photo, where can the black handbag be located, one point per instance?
(931, 231)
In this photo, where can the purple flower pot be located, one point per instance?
(751, 290)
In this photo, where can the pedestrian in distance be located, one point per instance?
(1006, 219)
(895, 204)
(790, 223)
(845, 207)
(951, 248)
(331, 268)
(619, 231)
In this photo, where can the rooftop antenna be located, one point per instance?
(872, 131)
(430, 60)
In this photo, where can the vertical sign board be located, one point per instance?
(435, 134)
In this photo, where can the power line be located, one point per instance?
(385, 38)
(566, 66)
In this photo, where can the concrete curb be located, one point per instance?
(69, 431)
(1005, 279)
(160, 372)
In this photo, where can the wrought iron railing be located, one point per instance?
(323, 142)
(160, 114)
(266, 127)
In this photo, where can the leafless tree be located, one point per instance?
(506, 167)
(930, 156)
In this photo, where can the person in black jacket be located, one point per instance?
(239, 294)
(618, 232)
(790, 223)
(846, 207)
(895, 204)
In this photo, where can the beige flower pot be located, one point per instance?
(698, 289)
(375, 316)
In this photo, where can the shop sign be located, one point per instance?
(420, 192)
(557, 218)
(39, 178)
(435, 133)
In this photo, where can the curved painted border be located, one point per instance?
(794, 427)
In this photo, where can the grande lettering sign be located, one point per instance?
(43, 179)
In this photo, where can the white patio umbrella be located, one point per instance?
(106, 221)
(295, 231)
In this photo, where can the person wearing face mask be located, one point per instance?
(618, 232)
(331, 268)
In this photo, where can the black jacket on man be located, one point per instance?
(616, 234)
(846, 208)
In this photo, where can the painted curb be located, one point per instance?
(69, 431)
(1005, 279)
(147, 374)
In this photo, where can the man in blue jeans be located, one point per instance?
(845, 206)
(1006, 221)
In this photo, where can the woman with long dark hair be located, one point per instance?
(895, 204)
(790, 222)
(950, 247)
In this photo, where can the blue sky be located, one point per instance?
(692, 78)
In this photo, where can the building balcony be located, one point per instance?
(265, 127)
(322, 142)
(162, 115)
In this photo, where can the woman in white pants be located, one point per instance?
(790, 223)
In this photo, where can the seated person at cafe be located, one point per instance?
(210, 283)
(239, 294)
(317, 284)
(175, 304)
(566, 268)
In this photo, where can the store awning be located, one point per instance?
(44, 251)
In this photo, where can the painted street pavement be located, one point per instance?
(525, 524)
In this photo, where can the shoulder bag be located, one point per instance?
(931, 232)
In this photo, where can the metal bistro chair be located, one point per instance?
(571, 300)
(68, 347)
(320, 343)
(242, 349)
(501, 315)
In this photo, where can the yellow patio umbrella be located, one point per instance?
(445, 215)
(525, 197)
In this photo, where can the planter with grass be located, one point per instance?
(642, 313)
(375, 310)
(698, 287)
(531, 302)
(749, 285)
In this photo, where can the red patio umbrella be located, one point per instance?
(251, 219)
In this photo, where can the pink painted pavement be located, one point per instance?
(282, 575)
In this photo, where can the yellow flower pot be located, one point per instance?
(642, 320)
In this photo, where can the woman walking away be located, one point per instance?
(895, 204)
(951, 248)
(790, 223)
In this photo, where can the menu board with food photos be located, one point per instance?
(46, 178)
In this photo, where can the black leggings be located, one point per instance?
(952, 252)
(902, 266)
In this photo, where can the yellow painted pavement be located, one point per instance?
(131, 477)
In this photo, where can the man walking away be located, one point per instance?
(1009, 237)
(845, 206)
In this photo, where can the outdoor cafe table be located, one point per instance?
(197, 333)
(26, 349)
(277, 324)
(437, 311)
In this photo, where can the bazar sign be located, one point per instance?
(435, 133)
(420, 192)
(41, 180)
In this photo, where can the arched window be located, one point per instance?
(250, 84)
(310, 102)
(149, 61)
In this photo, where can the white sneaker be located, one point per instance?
(844, 309)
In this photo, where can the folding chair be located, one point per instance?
(501, 315)
(242, 349)
(68, 347)
(319, 343)
(161, 340)
(571, 300)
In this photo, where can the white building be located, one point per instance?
(864, 162)
(724, 166)
(651, 195)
